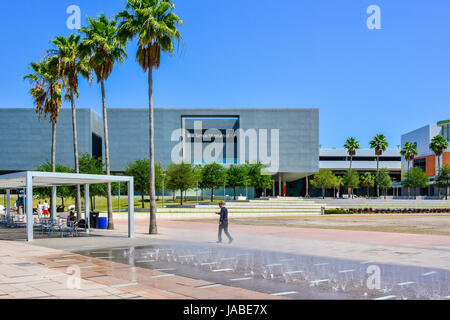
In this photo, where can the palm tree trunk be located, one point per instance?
(307, 188)
(153, 228)
(409, 188)
(378, 169)
(75, 150)
(53, 146)
(108, 168)
(351, 160)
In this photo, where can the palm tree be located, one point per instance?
(46, 93)
(379, 143)
(155, 25)
(438, 145)
(367, 181)
(351, 144)
(72, 63)
(104, 48)
(409, 151)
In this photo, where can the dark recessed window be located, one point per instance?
(96, 146)
(421, 163)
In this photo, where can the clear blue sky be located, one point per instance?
(261, 53)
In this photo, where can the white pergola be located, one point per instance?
(34, 179)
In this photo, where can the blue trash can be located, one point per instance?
(102, 222)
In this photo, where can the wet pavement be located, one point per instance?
(282, 274)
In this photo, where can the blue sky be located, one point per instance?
(260, 53)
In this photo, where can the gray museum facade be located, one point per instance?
(285, 139)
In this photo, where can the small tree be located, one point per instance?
(257, 176)
(180, 177)
(139, 171)
(213, 175)
(91, 165)
(339, 182)
(237, 176)
(351, 179)
(62, 191)
(324, 179)
(443, 179)
(198, 178)
(415, 178)
(383, 180)
(367, 180)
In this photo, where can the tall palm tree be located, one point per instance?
(438, 145)
(379, 143)
(104, 48)
(154, 24)
(46, 93)
(71, 64)
(351, 145)
(409, 151)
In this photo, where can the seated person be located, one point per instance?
(72, 217)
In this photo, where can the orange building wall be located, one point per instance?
(430, 163)
(446, 158)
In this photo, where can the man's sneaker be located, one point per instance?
(218, 241)
(230, 241)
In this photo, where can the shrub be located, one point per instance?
(338, 211)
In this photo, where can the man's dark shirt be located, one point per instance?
(223, 215)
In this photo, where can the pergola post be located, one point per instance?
(53, 204)
(86, 208)
(131, 208)
(29, 205)
(8, 206)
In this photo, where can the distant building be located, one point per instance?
(285, 139)
(338, 161)
(426, 159)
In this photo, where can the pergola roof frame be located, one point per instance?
(36, 179)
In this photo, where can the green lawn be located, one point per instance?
(100, 202)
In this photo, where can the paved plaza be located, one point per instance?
(264, 262)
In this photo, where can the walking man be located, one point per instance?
(223, 223)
